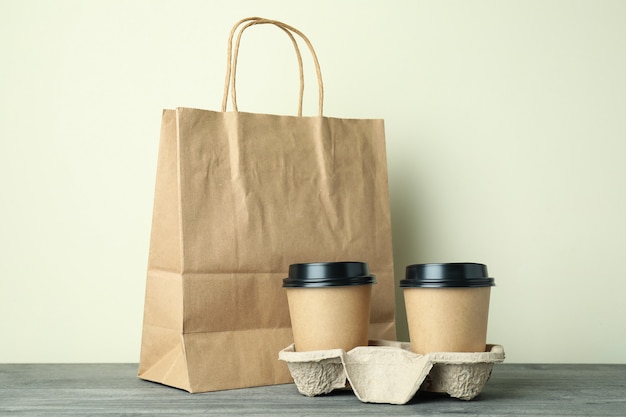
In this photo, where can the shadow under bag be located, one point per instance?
(239, 197)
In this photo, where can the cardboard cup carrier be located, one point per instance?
(447, 306)
(329, 304)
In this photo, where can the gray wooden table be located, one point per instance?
(113, 389)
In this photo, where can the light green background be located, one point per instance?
(506, 138)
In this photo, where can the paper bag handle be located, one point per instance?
(230, 79)
(231, 67)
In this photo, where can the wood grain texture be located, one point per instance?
(114, 390)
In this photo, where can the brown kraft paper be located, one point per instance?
(239, 197)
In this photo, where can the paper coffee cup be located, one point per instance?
(329, 304)
(447, 306)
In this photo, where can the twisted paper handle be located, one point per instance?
(231, 66)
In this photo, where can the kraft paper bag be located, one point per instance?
(239, 197)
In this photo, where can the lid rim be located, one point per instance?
(328, 274)
(447, 284)
(329, 282)
(447, 275)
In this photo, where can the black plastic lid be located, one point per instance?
(446, 276)
(328, 274)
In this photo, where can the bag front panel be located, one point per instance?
(260, 192)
